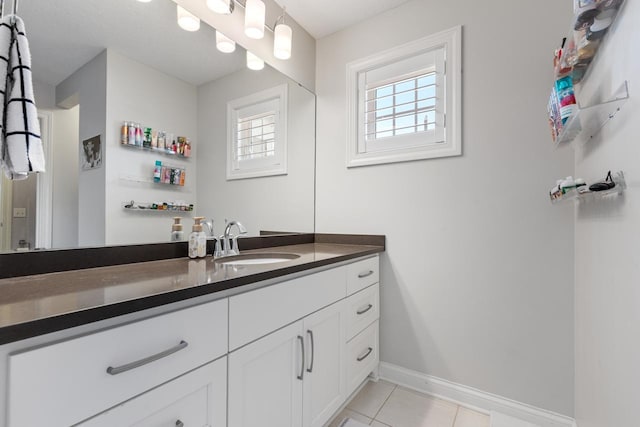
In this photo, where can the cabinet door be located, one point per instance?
(324, 381)
(265, 380)
(195, 399)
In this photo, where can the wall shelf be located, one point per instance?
(174, 207)
(156, 150)
(587, 122)
(586, 196)
(147, 180)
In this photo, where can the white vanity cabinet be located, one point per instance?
(72, 380)
(286, 354)
(292, 377)
(290, 353)
(198, 398)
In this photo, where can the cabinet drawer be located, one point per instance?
(257, 313)
(362, 309)
(195, 399)
(362, 274)
(362, 356)
(76, 379)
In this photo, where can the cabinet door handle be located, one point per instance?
(364, 356)
(367, 274)
(364, 310)
(313, 351)
(301, 376)
(137, 363)
(179, 423)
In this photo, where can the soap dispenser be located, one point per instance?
(176, 230)
(197, 240)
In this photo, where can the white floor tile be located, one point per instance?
(371, 398)
(468, 418)
(346, 413)
(376, 423)
(406, 408)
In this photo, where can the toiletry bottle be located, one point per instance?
(187, 149)
(157, 171)
(147, 138)
(124, 133)
(132, 134)
(176, 230)
(138, 135)
(197, 240)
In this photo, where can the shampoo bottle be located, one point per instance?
(197, 240)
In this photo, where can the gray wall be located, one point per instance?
(607, 245)
(477, 279)
(276, 203)
(88, 88)
(136, 92)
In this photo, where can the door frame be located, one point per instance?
(44, 192)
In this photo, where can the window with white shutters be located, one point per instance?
(404, 103)
(256, 134)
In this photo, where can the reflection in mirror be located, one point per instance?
(99, 64)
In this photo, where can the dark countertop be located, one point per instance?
(39, 304)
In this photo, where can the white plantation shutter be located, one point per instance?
(256, 134)
(405, 103)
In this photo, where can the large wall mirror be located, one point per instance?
(97, 64)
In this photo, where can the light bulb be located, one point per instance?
(282, 41)
(144, 1)
(254, 19)
(222, 7)
(253, 62)
(224, 43)
(187, 21)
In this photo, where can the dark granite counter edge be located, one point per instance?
(47, 325)
(18, 264)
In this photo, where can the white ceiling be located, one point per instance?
(323, 17)
(64, 35)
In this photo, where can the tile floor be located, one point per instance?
(384, 404)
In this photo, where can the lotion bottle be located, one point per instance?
(176, 230)
(197, 240)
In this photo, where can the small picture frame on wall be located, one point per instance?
(91, 153)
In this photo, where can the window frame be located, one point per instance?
(260, 102)
(413, 146)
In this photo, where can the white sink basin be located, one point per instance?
(256, 259)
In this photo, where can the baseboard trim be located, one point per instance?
(471, 397)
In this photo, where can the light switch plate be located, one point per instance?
(19, 212)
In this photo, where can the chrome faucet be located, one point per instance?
(229, 241)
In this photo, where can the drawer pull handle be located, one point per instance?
(136, 364)
(301, 375)
(364, 356)
(179, 423)
(364, 310)
(363, 275)
(313, 351)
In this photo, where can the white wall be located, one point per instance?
(88, 88)
(477, 279)
(136, 92)
(277, 203)
(607, 245)
(65, 165)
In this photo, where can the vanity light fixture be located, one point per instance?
(224, 43)
(186, 20)
(254, 15)
(282, 35)
(254, 62)
(144, 1)
(223, 7)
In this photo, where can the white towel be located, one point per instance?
(20, 144)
